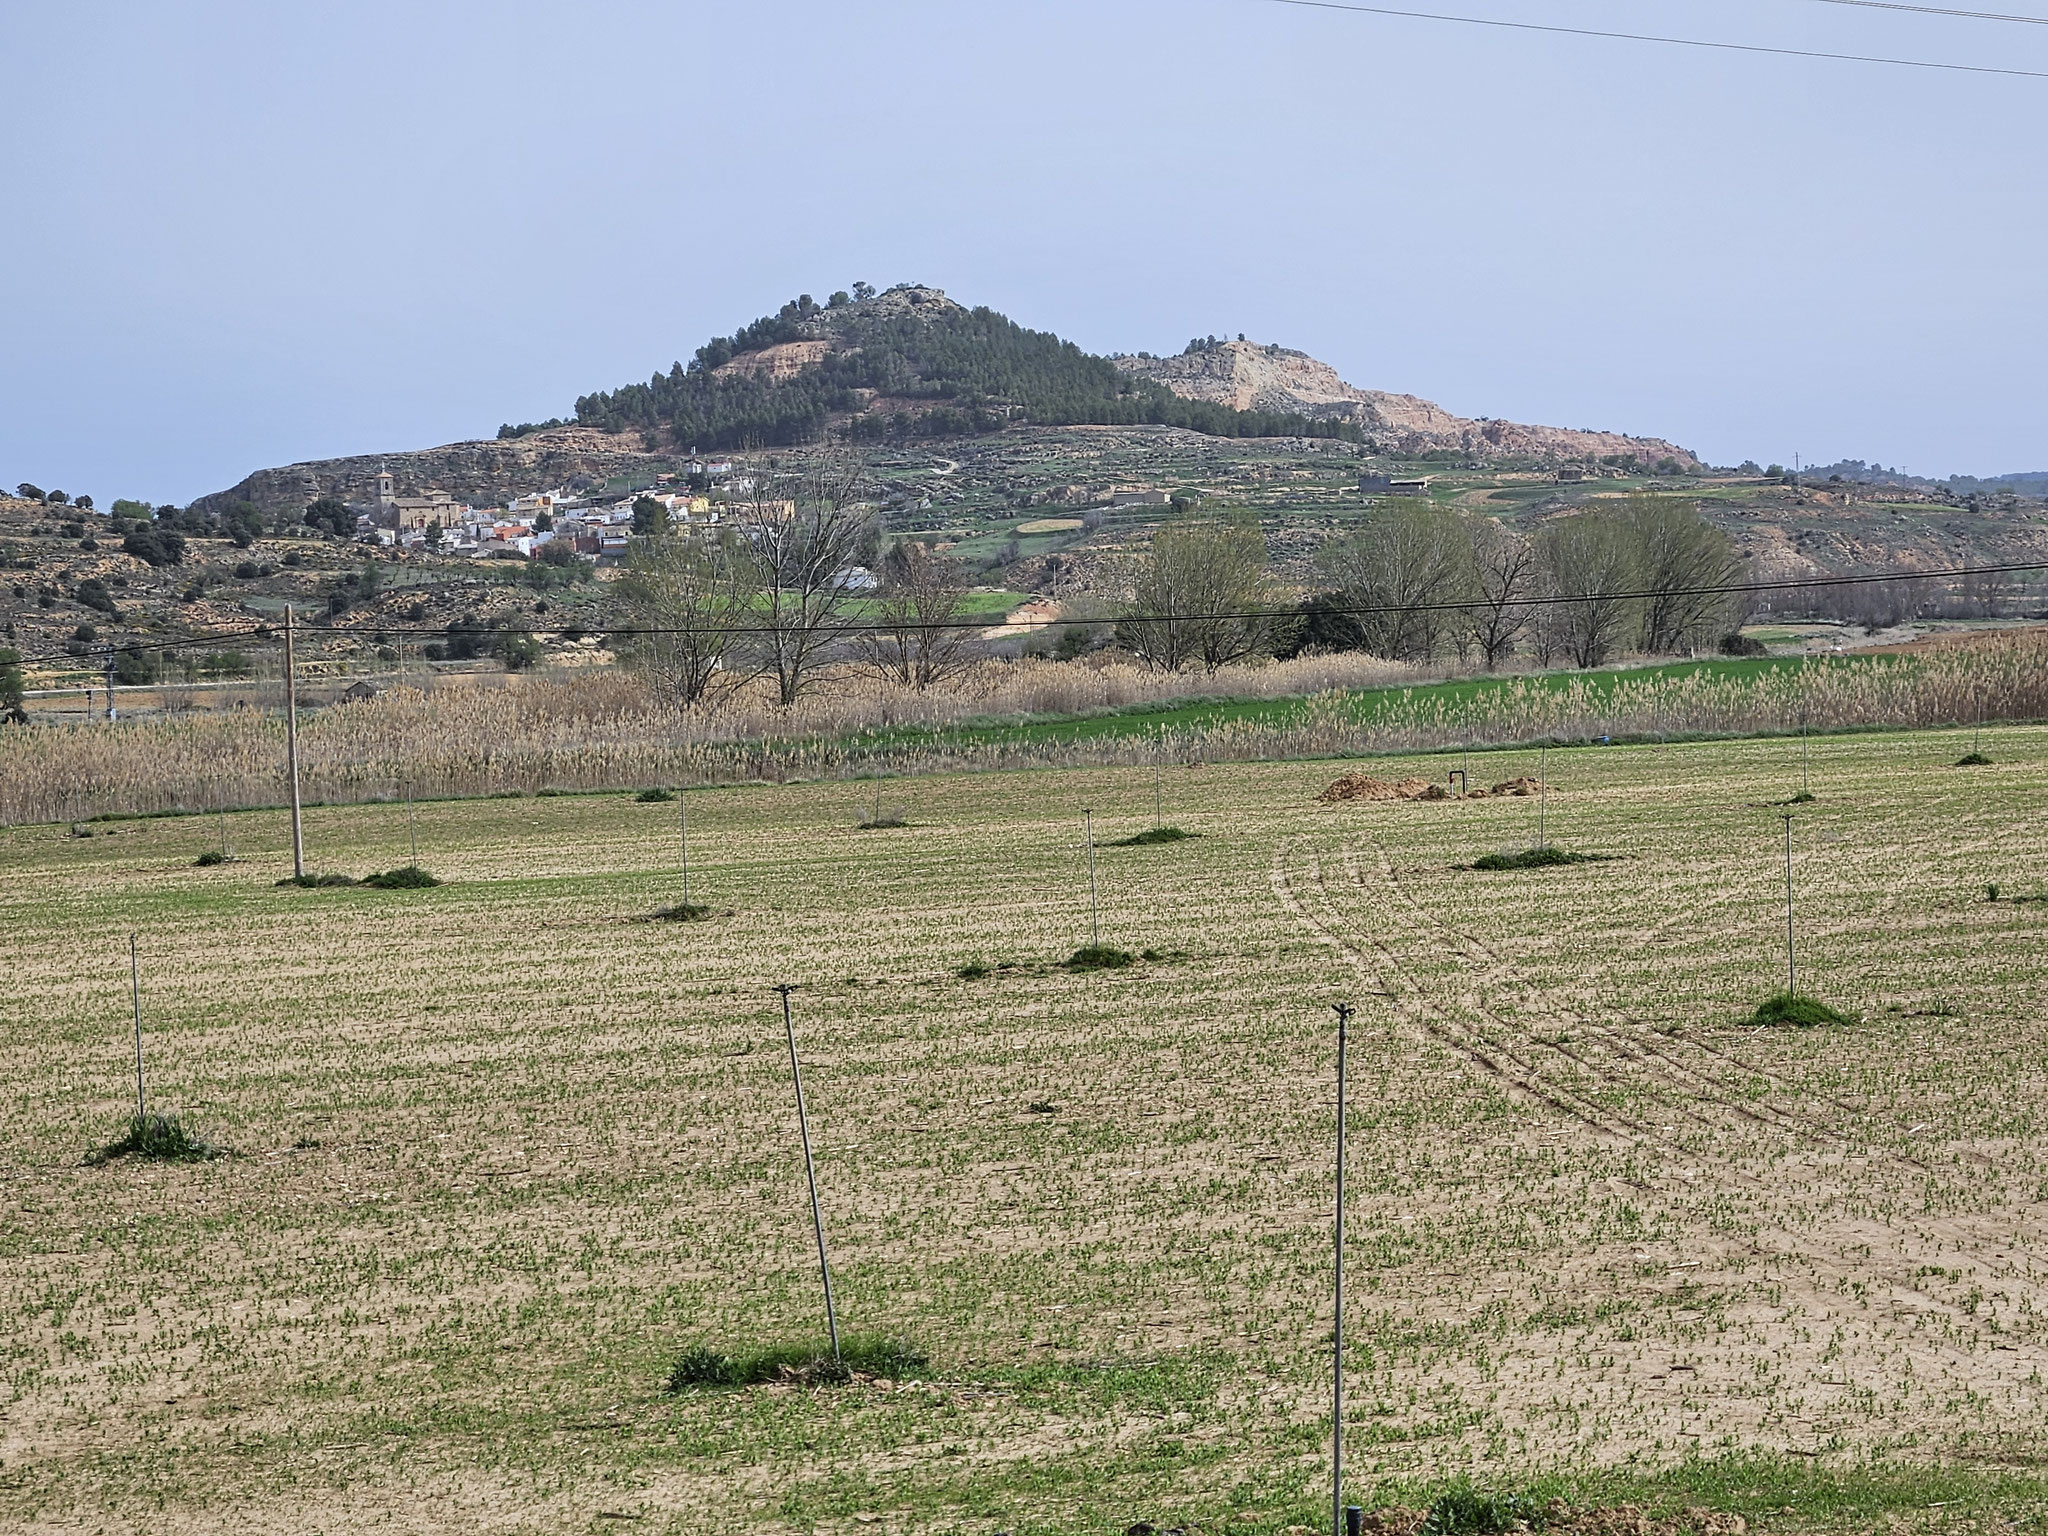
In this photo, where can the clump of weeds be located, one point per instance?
(870, 1355)
(1153, 838)
(1537, 858)
(155, 1139)
(1796, 1010)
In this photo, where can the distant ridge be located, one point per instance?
(1255, 376)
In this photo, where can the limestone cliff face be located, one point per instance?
(482, 472)
(1251, 376)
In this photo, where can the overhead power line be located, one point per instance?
(1940, 10)
(1675, 42)
(1541, 600)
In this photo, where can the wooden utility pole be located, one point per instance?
(291, 742)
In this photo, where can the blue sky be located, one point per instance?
(245, 234)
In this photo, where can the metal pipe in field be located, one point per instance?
(810, 1171)
(135, 993)
(1343, 1011)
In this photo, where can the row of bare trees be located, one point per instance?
(1416, 582)
(793, 579)
(797, 579)
(1647, 574)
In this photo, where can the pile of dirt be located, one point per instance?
(1363, 786)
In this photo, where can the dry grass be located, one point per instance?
(602, 730)
(504, 1156)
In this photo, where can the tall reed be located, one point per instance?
(604, 730)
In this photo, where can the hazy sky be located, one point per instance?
(238, 235)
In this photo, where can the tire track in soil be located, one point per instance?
(1528, 1076)
(1641, 1049)
(1412, 1002)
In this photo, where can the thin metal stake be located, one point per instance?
(1094, 911)
(810, 1173)
(1542, 797)
(1343, 1011)
(291, 743)
(221, 791)
(1791, 971)
(135, 992)
(412, 825)
(683, 812)
(1158, 814)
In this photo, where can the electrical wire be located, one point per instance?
(1940, 10)
(916, 626)
(1676, 42)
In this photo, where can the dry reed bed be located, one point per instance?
(606, 731)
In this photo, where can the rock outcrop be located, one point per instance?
(1251, 376)
(481, 472)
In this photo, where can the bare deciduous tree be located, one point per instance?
(1204, 595)
(809, 534)
(1681, 559)
(1398, 571)
(1503, 580)
(913, 635)
(1590, 568)
(688, 597)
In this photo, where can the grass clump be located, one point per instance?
(799, 1364)
(880, 823)
(974, 970)
(654, 796)
(211, 857)
(1100, 957)
(1465, 1511)
(316, 882)
(1973, 760)
(156, 1139)
(410, 878)
(1796, 1010)
(1153, 837)
(680, 912)
(1537, 858)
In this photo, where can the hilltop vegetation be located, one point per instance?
(909, 362)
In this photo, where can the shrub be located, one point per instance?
(316, 882)
(1738, 644)
(155, 546)
(654, 796)
(973, 970)
(1796, 1010)
(211, 857)
(881, 823)
(1973, 760)
(409, 878)
(810, 1364)
(1100, 957)
(155, 1138)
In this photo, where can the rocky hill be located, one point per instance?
(1254, 376)
(486, 472)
